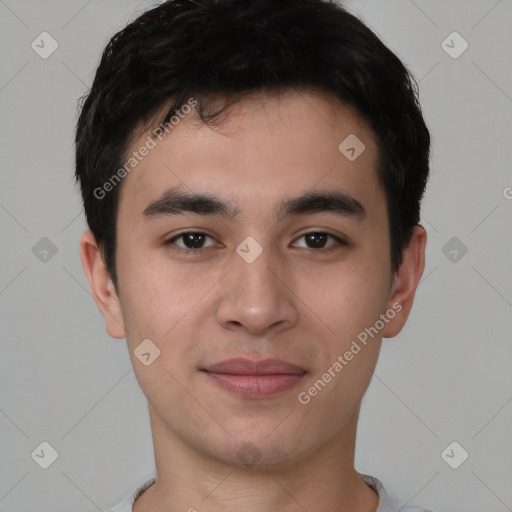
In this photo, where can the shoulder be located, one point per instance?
(127, 504)
(386, 502)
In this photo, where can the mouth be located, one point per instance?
(255, 378)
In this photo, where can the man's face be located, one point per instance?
(295, 301)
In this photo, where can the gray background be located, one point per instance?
(445, 378)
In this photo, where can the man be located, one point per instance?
(252, 174)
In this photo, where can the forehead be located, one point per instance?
(263, 148)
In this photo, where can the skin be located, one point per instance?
(293, 302)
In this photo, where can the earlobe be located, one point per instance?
(406, 282)
(101, 285)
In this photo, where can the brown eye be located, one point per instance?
(318, 240)
(192, 241)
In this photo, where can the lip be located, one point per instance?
(241, 366)
(255, 378)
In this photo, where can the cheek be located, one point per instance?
(348, 296)
(161, 299)
(153, 305)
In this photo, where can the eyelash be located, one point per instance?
(336, 246)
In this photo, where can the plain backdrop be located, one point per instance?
(446, 378)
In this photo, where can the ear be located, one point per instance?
(406, 281)
(101, 285)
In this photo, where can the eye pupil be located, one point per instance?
(318, 239)
(193, 239)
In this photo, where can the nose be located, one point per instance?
(258, 297)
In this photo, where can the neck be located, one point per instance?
(189, 481)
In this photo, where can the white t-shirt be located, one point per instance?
(386, 502)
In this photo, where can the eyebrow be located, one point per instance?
(174, 202)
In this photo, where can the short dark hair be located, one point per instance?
(208, 49)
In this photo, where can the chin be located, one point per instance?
(261, 452)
